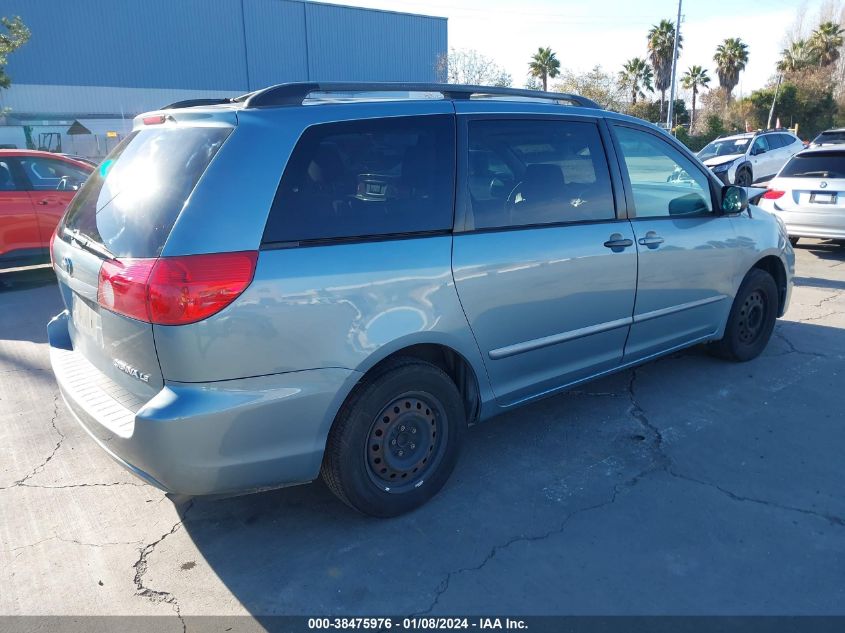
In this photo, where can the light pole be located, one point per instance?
(772, 110)
(671, 107)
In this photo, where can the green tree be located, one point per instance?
(731, 57)
(797, 56)
(826, 41)
(16, 35)
(544, 65)
(661, 43)
(695, 78)
(637, 76)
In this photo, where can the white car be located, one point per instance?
(742, 159)
(809, 194)
(835, 136)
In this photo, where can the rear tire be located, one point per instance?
(396, 439)
(751, 320)
(794, 240)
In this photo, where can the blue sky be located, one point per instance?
(607, 32)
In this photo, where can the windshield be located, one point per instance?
(724, 147)
(131, 201)
(821, 165)
(830, 137)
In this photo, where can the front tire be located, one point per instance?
(396, 440)
(743, 177)
(752, 318)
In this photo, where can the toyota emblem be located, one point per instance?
(823, 184)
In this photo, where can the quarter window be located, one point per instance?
(367, 178)
(535, 172)
(664, 182)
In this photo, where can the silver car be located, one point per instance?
(337, 279)
(808, 194)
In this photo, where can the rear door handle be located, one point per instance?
(651, 239)
(617, 242)
(42, 202)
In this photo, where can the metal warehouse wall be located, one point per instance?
(187, 47)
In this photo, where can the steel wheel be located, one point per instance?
(752, 316)
(405, 441)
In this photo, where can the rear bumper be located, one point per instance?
(813, 224)
(223, 437)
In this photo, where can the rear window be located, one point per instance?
(815, 165)
(131, 201)
(367, 178)
(830, 137)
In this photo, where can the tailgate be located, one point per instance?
(119, 348)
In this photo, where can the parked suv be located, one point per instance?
(302, 281)
(743, 159)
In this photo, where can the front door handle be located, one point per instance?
(617, 242)
(651, 239)
(43, 202)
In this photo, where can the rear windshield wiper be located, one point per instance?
(88, 244)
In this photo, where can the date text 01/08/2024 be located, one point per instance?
(423, 623)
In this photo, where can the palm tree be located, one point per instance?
(826, 41)
(693, 79)
(661, 44)
(544, 64)
(798, 56)
(731, 57)
(637, 74)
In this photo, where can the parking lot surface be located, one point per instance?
(687, 486)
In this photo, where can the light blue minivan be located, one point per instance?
(336, 279)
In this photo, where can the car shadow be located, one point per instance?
(523, 474)
(823, 249)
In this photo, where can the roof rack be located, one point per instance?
(296, 93)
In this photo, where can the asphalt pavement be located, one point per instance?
(687, 486)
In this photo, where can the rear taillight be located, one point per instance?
(773, 194)
(175, 290)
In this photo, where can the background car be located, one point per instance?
(742, 159)
(833, 136)
(809, 194)
(35, 189)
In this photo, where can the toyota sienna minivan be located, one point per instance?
(336, 279)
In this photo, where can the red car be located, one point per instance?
(35, 189)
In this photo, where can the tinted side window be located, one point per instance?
(45, 174)
(531, 172)
(664, 182)
(776, 141)
(367, 177)
(760, 144)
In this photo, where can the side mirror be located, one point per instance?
(734, 199)
(758, 150)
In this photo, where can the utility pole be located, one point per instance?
(674, 69)
(774, 101)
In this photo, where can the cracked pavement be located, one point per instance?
(687, 486)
